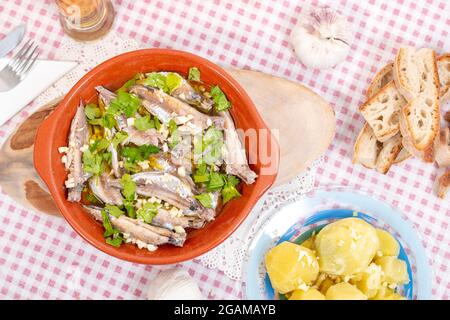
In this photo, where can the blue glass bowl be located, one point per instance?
(297, 222)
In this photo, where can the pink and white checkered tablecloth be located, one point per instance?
(42, 257)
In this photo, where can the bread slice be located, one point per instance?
(415, 72)
(442, 149)
(382, 78)
(419, 121)
(443, 184)
(447, 116)
(443, 65)
(366, 148)
(389, 152)
(403, 155)
(382, 112)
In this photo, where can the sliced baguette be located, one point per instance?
(419, 122)
(403, 155)
(389, 152)
(382, 78)
(366, 148)
(447, 116)
(442, 149)
(416, 77)
(443, 184)
(382, 112)
(443, 64)
(416, 73)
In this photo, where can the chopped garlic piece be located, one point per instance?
(63, 149)
(181, 171)
(130, 121)
(84, 148)
(179, 229)
(144, 164)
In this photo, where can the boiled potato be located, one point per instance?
(309, 243)
(388, 244)
(382, 293)
(310, 294)
(344, 291)
(395, 296)
(291, 266)
(385, 293)
(325, 285)
(370, 280)
(346, 247)
(394, 270)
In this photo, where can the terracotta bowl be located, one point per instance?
(112, 74)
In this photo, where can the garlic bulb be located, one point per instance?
(321, 38)
(173, 284)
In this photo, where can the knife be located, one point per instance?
(11, 40)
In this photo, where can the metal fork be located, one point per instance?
(19, 66)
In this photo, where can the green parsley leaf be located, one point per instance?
(194, 74)
(107, 156)
(99, 145)
(131, 167)
(108, 121)
(205, 199)
(92, 162)
(144, 123)
(233, 180)
(128, 204)
(173, 81)
(174, 134)
(129, 187)
(201, 175)
(141, 153)
(147, 212)
(229, 191)
(109, 230)
(127, 84)
(114, 210)
(92, 111)
(115, 241)
(124, 102)
(156, 80)
(216, 181)
(131, 153)
(212, 145)
(172, 126)
(119, 138)
(157, 123)
(221, 102)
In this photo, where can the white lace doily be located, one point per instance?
(230, 255)
(88, 55)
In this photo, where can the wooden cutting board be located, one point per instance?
(305, 122)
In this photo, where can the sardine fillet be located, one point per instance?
(78, 136)
(163, 105)
(235, 157)
(100, 187)
(166, 220)
(140, 230)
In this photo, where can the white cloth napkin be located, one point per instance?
(43, 74)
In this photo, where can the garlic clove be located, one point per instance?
(173, 284)
(321, 38)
